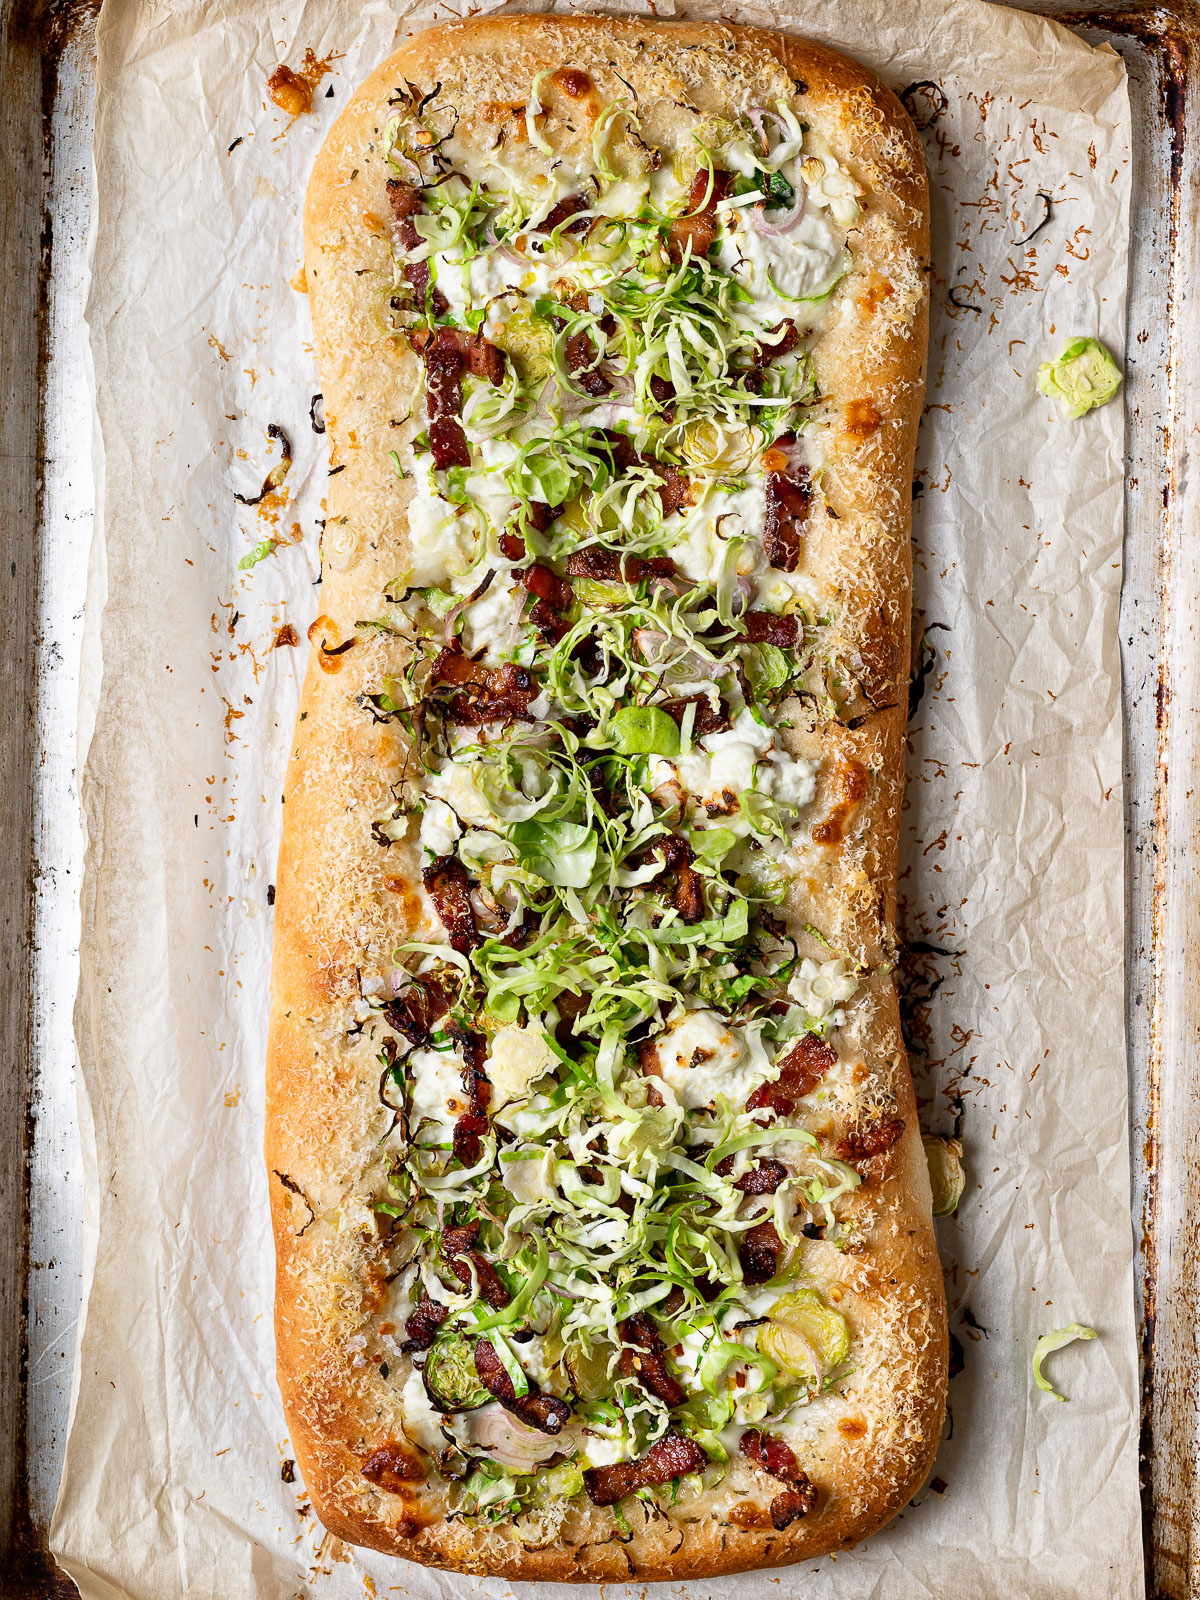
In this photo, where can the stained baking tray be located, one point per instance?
(47, 71)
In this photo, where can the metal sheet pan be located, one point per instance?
(46, 91)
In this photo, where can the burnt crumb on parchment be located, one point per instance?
(926, 103)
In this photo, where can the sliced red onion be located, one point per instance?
(489, 238)
(413, 173)
(508, 1441)
(790, 220)
(646, 639)
(520, 601)
(759, 116)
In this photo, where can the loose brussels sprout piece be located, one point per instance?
(946, 1176)
(805, 1334)
(1048, 1344)
(1083, 377)
(451, 1381)
(588, 1370)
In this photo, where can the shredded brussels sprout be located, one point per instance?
(589, 711)
(1048, 1344)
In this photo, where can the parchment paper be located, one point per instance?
(1013, 829)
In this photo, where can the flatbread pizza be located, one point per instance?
(602, 1220)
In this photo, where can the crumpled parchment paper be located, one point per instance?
(176, 1471)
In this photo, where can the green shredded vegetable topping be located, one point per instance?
(591, 671)
(1048, 1344)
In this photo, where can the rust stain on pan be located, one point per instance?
(35, 34)
(1166, 32)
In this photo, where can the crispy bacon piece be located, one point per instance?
(546, 585)
(569, 206)
(800, 1071)
(539, 516)
(783, 346)
(392, 1466)
(620, 447)
(453, 350)
(764, 627)
(674, 490)
(701, 228)
(759, 1253)
(645, 1359)
(580, 355)
(868, 1140)
(662, 391)
(609, 566)
(458, 1247)
(680, 885)
(789, 1504)
(765, 1178)
(778, 1459)
(545, 1412)
(708, 718)
(405, 201)
(404, 198)
(512, 546)
(672, 1457)
(449, 888)
(473, 1124)
(487, 694)
(448, 443)
(414, 1012)
(448, 353)
(424, 1320)
(788, 496)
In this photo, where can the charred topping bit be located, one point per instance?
(392, 1466)
(765, 627)
(562, 211)
(674, 1456)
(486, 694)
(274, 479)
(406, 202)
(318, 422)
(925, 102)
(706, 717)
(458, 1247)
(1047, 211)
(789, 495)
(764, 1178)
(473, 1124)
(415, 1012)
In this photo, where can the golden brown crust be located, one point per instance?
(334, 902)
